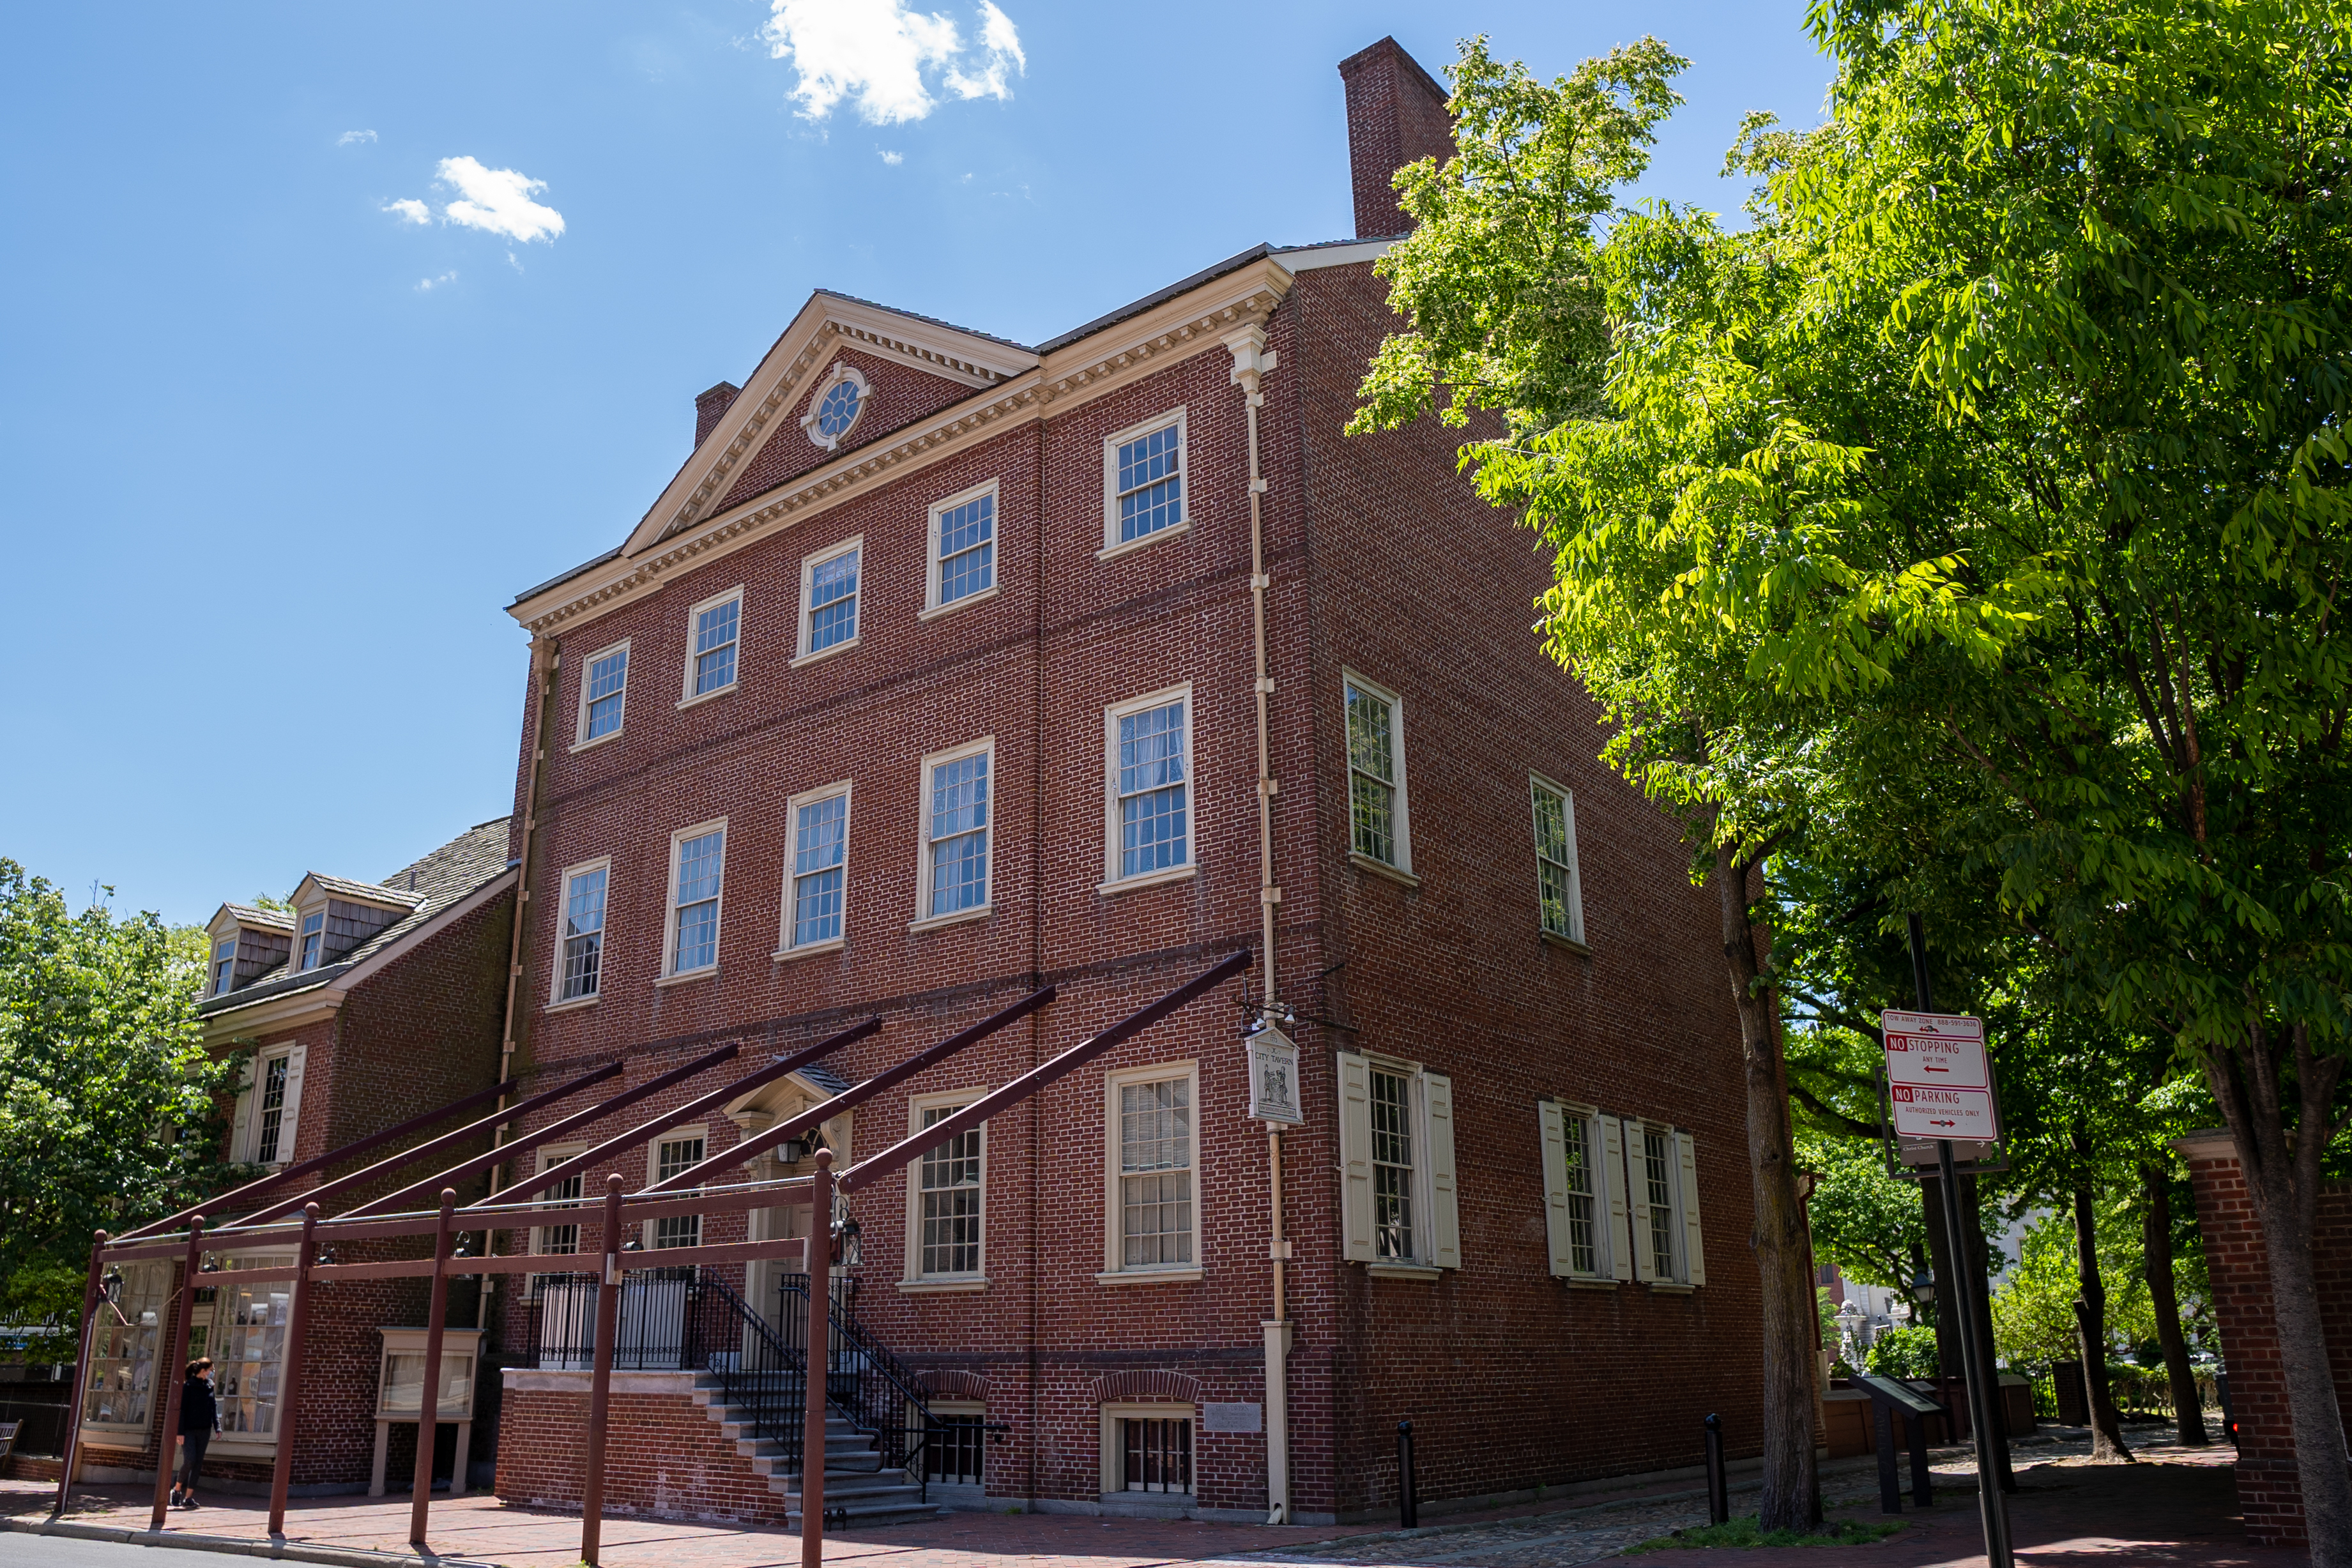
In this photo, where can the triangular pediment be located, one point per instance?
(910, 366)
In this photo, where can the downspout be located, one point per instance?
(545, 661)
(1252, 361)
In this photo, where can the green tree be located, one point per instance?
(107, 1101)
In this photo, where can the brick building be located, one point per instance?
(361, 1005)
(948, 666)
(2237, 1263)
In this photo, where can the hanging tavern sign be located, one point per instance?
(1274, 1077)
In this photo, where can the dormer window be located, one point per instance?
(224, 965)
(314, 939)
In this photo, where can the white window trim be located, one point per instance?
(686, 695)
(580, 741)
(927, 922)
(1689, 1248)
(932, 563)
(555, 996)
(809, 563)
(550, 1155)
(669, 973)
(1403, 861)
(1609, 1232)
(679, 1134)
(1190, 865)
(1115, 1272)
(1112, 545)
(912, 1278)
(216, 983)
(295, 957)
(1574, 937)
(840, 370)
(785, 947)
(244, 1134)
(1114, 1446)
(1437, 1217)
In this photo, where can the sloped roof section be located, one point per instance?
(263, 919)
(431, 886)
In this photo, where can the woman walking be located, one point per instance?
(199, 1419)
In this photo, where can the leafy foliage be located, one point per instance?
(1904, 1352)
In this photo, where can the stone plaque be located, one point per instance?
(1233, 1418)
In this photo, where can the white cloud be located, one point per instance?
(499, 201)
(411, 209)
(893, 159)
(880, 53)
(427, 285)
(348, 137)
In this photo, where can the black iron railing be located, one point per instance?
(868, 1385)
(658, 1319)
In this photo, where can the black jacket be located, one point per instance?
(199, 1411)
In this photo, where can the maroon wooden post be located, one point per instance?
(819, 1252)
(600, 1381)
(82, 1372)
(172, 1368)
(428, 1402)
(289, 1387)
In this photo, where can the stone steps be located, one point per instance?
(858, 1492)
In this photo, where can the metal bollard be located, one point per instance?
(1718, 1485)
(1408, 1505)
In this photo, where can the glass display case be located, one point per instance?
(400, 1393)
(123, 1347)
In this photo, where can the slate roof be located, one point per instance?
(824, 1077)
(441, 880)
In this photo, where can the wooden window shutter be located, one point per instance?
(1694, 1254)
(1444, 1201)
(1554, 1147)
(1355, 1157)
(1612, 1181)
(290, 1115)
(1637, 1205)
(240, 1136)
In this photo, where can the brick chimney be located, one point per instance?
(1396, 114)
(711, 407)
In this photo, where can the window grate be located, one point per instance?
(1159, 1454)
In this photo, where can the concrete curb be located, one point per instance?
(238, 1546)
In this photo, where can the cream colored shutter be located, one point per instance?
(1694, 1254)
(240, 1136)
(1612, 1182)
(1355, 1157)
(1637, 1206)
(1444, 1202)
(1554, 1145)
(290, 1112)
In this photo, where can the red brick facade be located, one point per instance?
(1382, 563)
(2237, 1263)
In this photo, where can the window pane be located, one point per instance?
(247, 1345)
(1554, 867)
(819, 837)
(714, 646)
(583, 934)
(699, 860)
(1583, 1252)
(607, 678)
(1657, 1157)
(122, 1374)
(675, 1155)
(1155, 1140)
(1158, 1455)
(832, 602)
(960, 834)
(224, 965)
(967, 549)
(314, 929)
(1151, 791)
(1371, 775)
(951, 1201)
(273, 1109)
(560, 1238)
(1150, 491)
(1392, 1164)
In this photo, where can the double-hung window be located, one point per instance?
(224, 965)
(1662, 1179)
(964, 547)
(716, 628)
(1148, 750)
(955, 832)
(697, 868)
(672, 1156)
(606, 690)
(559, 1240)
(816, 891)
(314, 939)
(947, 1200)
(269, 1107)
(1378, 821)
(1143, 481)
(582, 946)
(829, 599)
(1584, 1192)
(1559, 898)
(1399, 1208)
(1152, 1187)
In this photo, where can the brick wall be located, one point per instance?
(666, 1457)
(2237, 1263)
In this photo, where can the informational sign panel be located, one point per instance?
(1274, 1077)
(1939, 1082)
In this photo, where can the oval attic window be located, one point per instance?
(836, 412)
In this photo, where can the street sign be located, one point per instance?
(1939, 1084)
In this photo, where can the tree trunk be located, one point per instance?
(2282, 1176)
(2091, 1331)
(2156, 1240)
(1949, 1362)
(1978, 1253)
(1791, 1495)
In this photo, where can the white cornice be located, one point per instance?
(1174, 330)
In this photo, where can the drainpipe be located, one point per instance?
(1252, 361)
(546, 660)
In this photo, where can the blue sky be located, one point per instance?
(328, 328)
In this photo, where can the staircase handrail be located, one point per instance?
(902, 1378)
(792, 1366)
